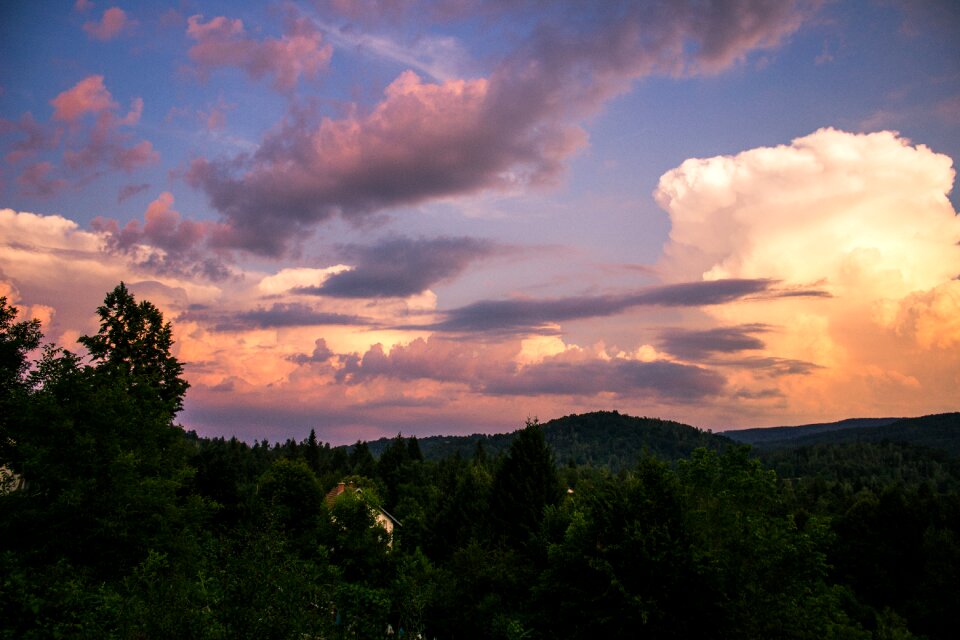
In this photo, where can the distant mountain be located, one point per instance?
(761, 436)
(941, 431)
(601, 438)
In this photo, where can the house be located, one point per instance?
(381, 515)
(10, 481)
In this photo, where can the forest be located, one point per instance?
(115, 522)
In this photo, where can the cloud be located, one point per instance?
(660, 381)
(165, 241)
(321, 354)
(864, 216)
(56, 264)
(113, 22)
(697, 344)
(401, 267)
(516, 128)
(128, 191)
(542, 315)
(89, 95)
(287, 315)
(222, 42)
(440, 57)
(105, 143)
(35, 180)
(492, 369)
(37, 137)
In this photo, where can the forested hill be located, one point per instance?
(941, 431)
(601, 439)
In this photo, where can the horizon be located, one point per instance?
(442, 218)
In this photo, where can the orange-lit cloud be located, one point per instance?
(863, 216)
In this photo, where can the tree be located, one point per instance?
(133, 346)
(17, 339)
(524, 485)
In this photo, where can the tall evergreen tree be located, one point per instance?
(133, 346)
(525, 483)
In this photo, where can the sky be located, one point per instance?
(367, 217)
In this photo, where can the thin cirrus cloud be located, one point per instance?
(401, 267)
(542, 315)
(516, 127)
(223, 42)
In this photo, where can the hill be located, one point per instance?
(600, 438)
(940, 431)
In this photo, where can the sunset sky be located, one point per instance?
(370, 217)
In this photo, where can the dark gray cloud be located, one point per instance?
(696, 345)
(129, 190)
(491, 370)
(536, 315)
(519, 126)
(277, 316)
(400, 267)
(667, 381)
(321, 354)
(773, 366)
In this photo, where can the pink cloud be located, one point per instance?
(87, 96)
(82, 5)
(222, 42)
(106, 145)
(423, 140)
(113, 22)
(516, 128)
(37, 137)
(35, 180)
(181, 241)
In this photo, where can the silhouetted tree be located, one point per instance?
(133, 345)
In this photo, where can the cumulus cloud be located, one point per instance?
(400, 267)
(89, 95)
(32, 247)
(167, 242)
(223, 42)
(867, 218)
(516, 127)
(113, 23)
(105, 144)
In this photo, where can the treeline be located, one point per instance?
(117, 524)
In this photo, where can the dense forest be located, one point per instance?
(116, 523)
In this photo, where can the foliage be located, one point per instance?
(128, 527)
(133, 345)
